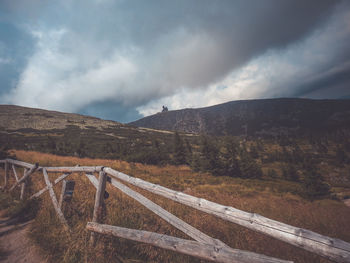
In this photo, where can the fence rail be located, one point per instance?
(204, 246)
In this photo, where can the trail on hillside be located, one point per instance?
(15, 247)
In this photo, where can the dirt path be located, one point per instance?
(15, 247)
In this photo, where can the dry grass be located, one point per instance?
(269, 198)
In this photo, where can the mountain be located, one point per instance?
(265, 117)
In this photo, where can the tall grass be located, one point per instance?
(273, 199)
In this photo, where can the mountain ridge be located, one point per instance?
(263, 117)
(17, 117)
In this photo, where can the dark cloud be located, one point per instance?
(334, 83)
(103, 56)
(16, 45)
(230, 33)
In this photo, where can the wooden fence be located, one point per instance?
(202, 245)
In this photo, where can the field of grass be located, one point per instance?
(275, 199)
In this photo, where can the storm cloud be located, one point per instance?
(120, 59)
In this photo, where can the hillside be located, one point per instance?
(74, 134)
(17, 117)
(83, 136)
(265, 118)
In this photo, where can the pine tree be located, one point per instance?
(179, 156)
(249, 167)
(254, 152)
(298, 155)
(210, 159)
(272, 173)
(341, 157)
(290, 173)
(314, 184)
(230, 160)
(81, 151)
(51, 144)
(162, 155)
(196, 163)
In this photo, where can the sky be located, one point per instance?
(123, 59)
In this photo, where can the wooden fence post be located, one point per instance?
(14, 172)
(60, 202)
(6, 172)
(99, 201)
(54, 200)
(23, 185)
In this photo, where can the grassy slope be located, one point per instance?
(269, 198)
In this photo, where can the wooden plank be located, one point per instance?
(59, 179)
(15, 173)
(99, 196)
(23, 184)
(86, 169)
(330, 248)
(23, 187)
(6, 173)
(20, 163)
(94, 182)
(189, 247)
(76, 169)
(25, 176)
(92, 178)
(168, 217)
(54, 200)
(99, 201)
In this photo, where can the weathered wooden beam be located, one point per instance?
(25, 176)
(76, 169)
(23, 184)
(99, 196)
(205, 251)
(20, 163)
(86, 169)
(168, 217)
(59, 179)
(15, 172)
(99, 202)
(6, 173)
(330, 248)
(23, 187)
(54, 200)
(94, 182)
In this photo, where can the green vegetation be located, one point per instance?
(282, 157)
(180, 155)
